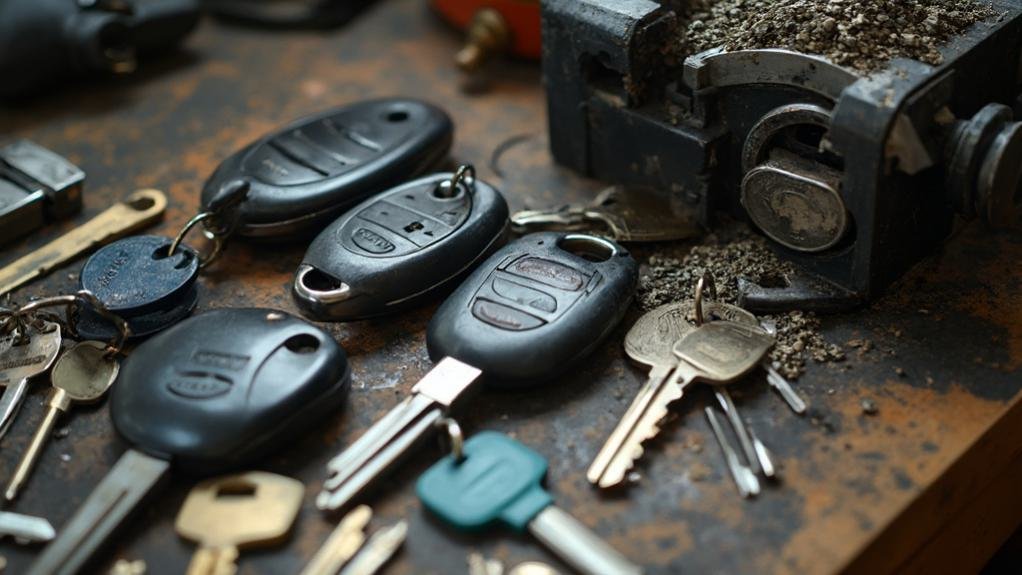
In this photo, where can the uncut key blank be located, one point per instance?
(549, 297)
(208, 394)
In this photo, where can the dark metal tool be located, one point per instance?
(853, 177)
(36, 187)
(400, 247)
(48, 42)
(213, 393)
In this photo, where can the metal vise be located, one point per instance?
(852, 177)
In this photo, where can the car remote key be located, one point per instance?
(499, 480)
(36, 186)
(136, 278)
(305, 175)
(400, 247)
(527, 314)
(214, 392)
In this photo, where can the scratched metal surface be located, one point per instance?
(954, 326)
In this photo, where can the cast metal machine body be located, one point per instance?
(852, 177)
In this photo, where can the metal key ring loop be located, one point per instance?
(465, 174)
(454, 435)
(704, 284)
(213, 236)
(116, 346)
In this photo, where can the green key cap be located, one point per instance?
(499, 480)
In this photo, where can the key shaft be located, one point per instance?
(744, 478)
(783, 387)
(132, 478)
(382, 445)
(380, 548)
(26, 527)
(138, 211)
(577, 545)
(343, 543)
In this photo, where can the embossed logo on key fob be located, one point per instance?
(400, 247)
(315, 169)
(249, 377)
(535, 307)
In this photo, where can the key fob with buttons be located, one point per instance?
(250, 377)
(401, 247)
(303, 176)
(535, 307)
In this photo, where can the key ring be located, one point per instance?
(71, 303)
(454, 435)
(465, 174)
(211, 235)
(705, 283)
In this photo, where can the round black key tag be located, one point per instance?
(136, 279)
(135, 275)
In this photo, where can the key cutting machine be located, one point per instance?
(853, 177)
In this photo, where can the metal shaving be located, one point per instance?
(733, 251)
(859, 34)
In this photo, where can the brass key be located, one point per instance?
(81, 375)
(139, 210)
(228, 513)
(342, 545)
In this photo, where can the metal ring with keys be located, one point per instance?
(30, 312)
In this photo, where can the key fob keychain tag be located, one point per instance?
(400, 247)
(286, 184)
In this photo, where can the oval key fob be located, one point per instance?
(229, 377)
(535, 307)
(308, 173)
(400, 247)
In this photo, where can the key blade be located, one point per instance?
(781, 384)
(577, 545)
(132, 478)
(138, 211)
(27, 527)
(342, 545)
(744, 479)
(647, 425)
(742, 432)
(21, 363)
(382, 445)
(564, 218)
(380, 548)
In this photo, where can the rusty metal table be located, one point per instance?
(928, 483)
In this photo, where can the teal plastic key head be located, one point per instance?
(499, 480)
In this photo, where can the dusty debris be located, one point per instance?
(869, 407)
(732, 251)
(860, 34)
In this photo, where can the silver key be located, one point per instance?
(342, 544)
(627, 213)
(26, 528)
(81, 375)
(755, 452)
(404, 426)
(778, 381)
(21, 362)
(745, 479)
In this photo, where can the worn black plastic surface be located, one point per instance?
(533, 309)
(91, 325)
(401, 247)
(316, 168)
(222, 388)
(134, 275)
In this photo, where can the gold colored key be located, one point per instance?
(229, 513)
(138, 211)
(342, 545)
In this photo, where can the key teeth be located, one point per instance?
(658, 408)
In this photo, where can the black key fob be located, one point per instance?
(536, 307)
(136, 279)
(310, 172)
(401, 247)
(255, 378)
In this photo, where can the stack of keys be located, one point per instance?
(528, 313)
(498, 480)
(728, 344)
(213, 393)
(25, 354)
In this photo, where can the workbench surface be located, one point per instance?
(928, 482)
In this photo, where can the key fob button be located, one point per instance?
(504, 317)
(399, 248)
(318, 167)
(535, 307)
(552, 273)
